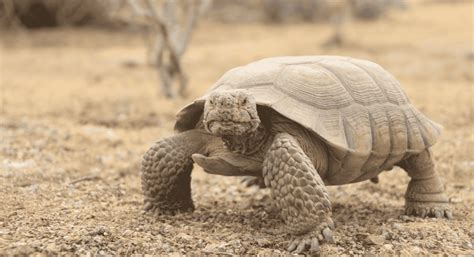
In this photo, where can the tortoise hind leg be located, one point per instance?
(299, 193)
(425, 194)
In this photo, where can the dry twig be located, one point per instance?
(86, 178)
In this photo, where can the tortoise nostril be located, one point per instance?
(227, 103)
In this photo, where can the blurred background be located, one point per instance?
(87, 85)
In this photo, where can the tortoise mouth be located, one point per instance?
(229, 128)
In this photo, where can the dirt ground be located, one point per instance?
(80, 107)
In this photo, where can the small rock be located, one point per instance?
(184, 237)
(397, 226)
(455, 200)
(406, 218)
(376, 239)
(97, 239)
(213, 247)
(166, 247)
(52, 247)
(262, 242)
(8, 164)
(127, 232)
(416, 250)
(100, 231)
(388, 246)
(386, 234)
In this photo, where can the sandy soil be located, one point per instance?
(76, 118)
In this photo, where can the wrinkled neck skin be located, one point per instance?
(248, 144)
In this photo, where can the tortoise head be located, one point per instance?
(231, 113)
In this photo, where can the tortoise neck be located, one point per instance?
(247, 144)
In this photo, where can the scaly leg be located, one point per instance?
(425, 193)
(299, 193)
(166, 172)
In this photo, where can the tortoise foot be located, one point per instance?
(425, 196)
(312, 240)
(168, 208)
(428, 209)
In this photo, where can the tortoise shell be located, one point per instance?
(354, 105)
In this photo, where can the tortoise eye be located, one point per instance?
(244, 102)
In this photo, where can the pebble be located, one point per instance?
(214, 247)
(102, 231)
(376, 239)
(416, 250)
(397, 226)
(18, 165)
(52, 247)
(263, 242)
(185, 237)
(455, 200)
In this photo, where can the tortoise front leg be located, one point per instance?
(299, 192)
(166, 172)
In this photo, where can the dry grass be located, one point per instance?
(73, 110)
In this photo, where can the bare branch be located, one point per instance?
(86, 178)
(172, 36)
(138, 9)
(9, 13)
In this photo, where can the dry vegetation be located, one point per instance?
(80, 107)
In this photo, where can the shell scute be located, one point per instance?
(300, 83)
(387, 83)
(359, 84)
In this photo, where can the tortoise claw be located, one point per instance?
(292, 246)
(302, 246)
(327, 233)
(448, 214)
(314, 245)
(311, 241)
(424, 210)
(422, 213)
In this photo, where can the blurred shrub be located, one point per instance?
(51, 13)
(236, 11)
(283, 10)
(299, 10)
(374, 9)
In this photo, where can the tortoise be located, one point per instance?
(299, 123)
